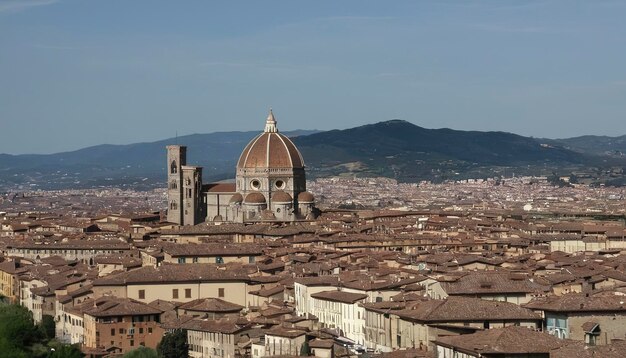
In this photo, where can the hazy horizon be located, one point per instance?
(77, 74)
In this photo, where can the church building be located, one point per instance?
(270, 185)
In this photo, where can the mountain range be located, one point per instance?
(395, 148)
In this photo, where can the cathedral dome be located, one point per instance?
(237, 198)
(255, 198)
(281, 197)
(270, 149)
(306, 197)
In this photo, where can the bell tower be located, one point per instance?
(176, 159)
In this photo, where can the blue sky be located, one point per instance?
(75, 73)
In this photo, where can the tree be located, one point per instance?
(65, 351)
(47, 327)
(16, 326)
(305, 350)
(174, 345)
(141, 352)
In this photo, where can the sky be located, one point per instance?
(77, 73)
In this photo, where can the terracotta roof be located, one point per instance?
(408, 353)
(339, 296)
(110, 306)
(211, 305)
(174, 273)
(228, 326)
(220, 187)
(322, 343)
(578, 349)
(491, 282)
(578, 302)
(286, 332)
(454, 309)
(509, 340)
(213, 249)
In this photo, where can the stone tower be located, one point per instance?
(193, 204)
(176, 159)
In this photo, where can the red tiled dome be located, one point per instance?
(255, 198)
(281, 197)
(270, 149)
(237, 198)
(306, 197)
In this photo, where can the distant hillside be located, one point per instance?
(396, 149)
(601, 145)
(140, 164)
(408, 152)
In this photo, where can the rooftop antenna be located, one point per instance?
(176, 137)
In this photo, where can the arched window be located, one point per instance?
(173, 167)
(173, 185)
(173, 205)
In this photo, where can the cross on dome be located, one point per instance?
(270, 123)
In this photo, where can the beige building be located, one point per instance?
(280, 341)
(9, 286)
(217, 338)
(216, 253)
(595, 320)
(82, 250)
(341, 310)
(388, 326)
(182, 283)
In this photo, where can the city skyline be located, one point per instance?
(79, 74)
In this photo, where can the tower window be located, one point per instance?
(173, 167)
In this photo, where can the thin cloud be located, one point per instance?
(358, 18)
(514, 29)
(265, 65)
(21, 5)
(59, 47)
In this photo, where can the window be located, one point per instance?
(132, 343)
(140, 330)
(220, 292)
(181, 260)
(175, 293)
(251, 259)
(188, 293)
(142, 294)
(195, 260)
(121, 330)
(149, 329)
(219, 260)
(112, 331)
(173, 167)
